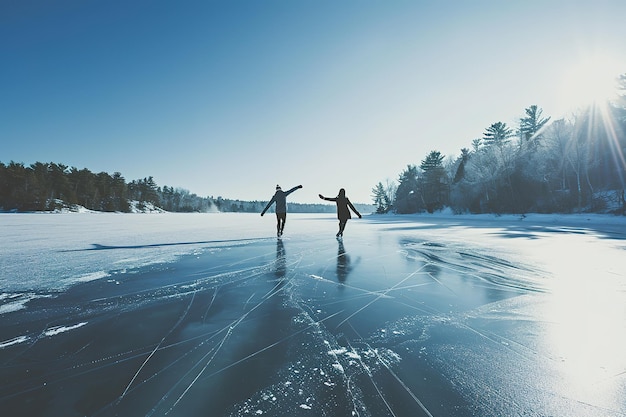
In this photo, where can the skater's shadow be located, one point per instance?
(97, 246)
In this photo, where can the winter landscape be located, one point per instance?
(106, 314)
(484, 143)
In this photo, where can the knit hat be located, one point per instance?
(278, 187)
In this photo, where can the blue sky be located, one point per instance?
(229, 98)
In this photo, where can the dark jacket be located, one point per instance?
(280, 198)
(343, 213)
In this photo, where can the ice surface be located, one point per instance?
(54, 251)
(183, 315)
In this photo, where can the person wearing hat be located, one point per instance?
(280, 198)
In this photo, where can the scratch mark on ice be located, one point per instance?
(180, 320)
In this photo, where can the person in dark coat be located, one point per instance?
(280, 198)
(343, 209)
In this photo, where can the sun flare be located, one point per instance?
(592, 81)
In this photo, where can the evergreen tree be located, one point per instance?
(58, 181)
(497, 134)
(406, 195)
(381, 199)
(4, 186)
(119, 193)
(83, 185)
(20, 196)
(531, 126)
(460, 170)
(432, 162)
(434, 182)
(40, 187)
(476, 144)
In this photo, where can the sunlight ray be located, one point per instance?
(611, 129)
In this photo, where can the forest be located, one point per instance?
(575, 164)
(55, 187)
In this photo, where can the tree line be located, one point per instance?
(53, 186)
(573, 164)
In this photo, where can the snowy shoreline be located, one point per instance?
(574, 219)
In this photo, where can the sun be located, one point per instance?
(589, 82)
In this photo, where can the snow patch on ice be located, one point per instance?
(53, 331)
(339, 367)
(92, 276)
(14, 341)
(353, 355)
(343, 351)
(339, 351)
(11, 302)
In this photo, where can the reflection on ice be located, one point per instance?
(344, 263)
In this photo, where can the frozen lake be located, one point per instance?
(210, 314)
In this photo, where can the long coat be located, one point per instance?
(343, 213)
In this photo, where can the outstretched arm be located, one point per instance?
(268, 205)
(353, 209)
(327, 198)
(292, 190)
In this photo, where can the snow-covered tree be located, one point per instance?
(497, 134)
(531, 126)
(476, 144)
(379, 196)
